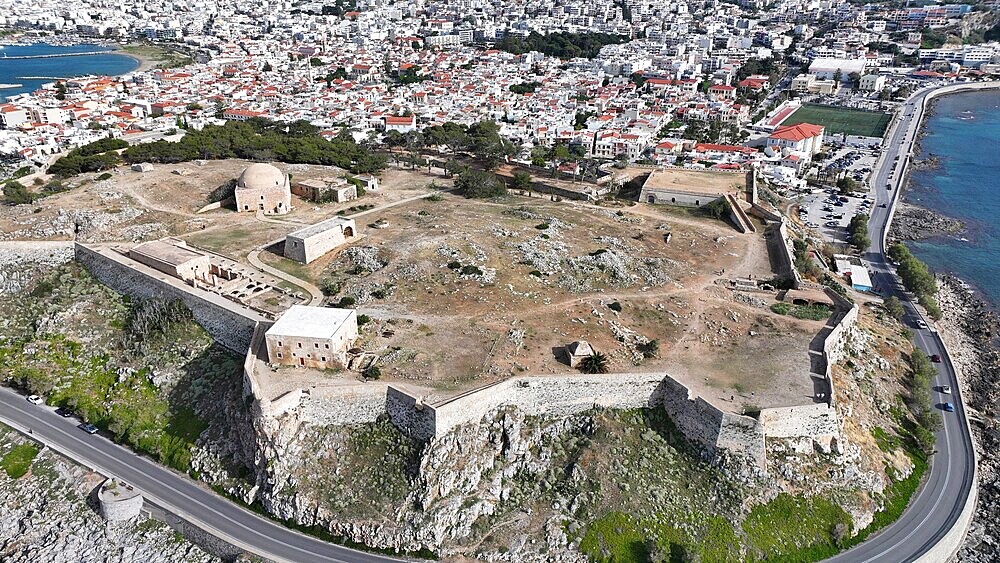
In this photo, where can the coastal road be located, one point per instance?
(938, 506)
(173, 491)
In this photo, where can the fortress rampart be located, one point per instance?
(345, 402)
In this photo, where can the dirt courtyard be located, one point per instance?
(456, 293)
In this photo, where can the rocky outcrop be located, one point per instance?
(912, 222)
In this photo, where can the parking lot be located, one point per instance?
(828, 211)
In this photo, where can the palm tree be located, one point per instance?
(594, 363)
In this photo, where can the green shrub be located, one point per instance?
(346, 302)
(615, 306)
(781, 308)
(455, 265)
(17, 194)
(363, 320)
(103, 176)
(471, 270)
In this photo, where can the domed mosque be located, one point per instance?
(262, 187)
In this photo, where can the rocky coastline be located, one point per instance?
(913, 222)
(969, 329)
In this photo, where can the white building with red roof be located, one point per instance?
(804, 138)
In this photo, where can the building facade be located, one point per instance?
(314, 337)
(309, 243)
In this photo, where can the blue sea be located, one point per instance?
(59, 67)
(964, 133)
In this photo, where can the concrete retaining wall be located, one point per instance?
(229, 324)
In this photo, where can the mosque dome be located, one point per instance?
(259, 176)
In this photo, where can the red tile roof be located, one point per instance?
(797, 132)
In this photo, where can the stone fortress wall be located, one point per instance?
(229, 323)
(242, 330)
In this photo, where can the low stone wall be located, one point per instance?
(784, 257)
(229, 324)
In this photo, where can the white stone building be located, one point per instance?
(309, 243)
(315, 337)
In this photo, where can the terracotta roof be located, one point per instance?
(797, 132)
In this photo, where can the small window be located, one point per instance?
(316, 344)
(279, 355)
(323, 358)
(300, 344)
(327, 346)
(279, 343)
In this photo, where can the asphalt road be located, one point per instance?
(172, 491)
(935, 508)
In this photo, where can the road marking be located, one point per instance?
(947, 477)
(33, 414)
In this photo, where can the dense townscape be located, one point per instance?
(637, 81)
(567, 280)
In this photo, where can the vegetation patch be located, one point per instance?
(143, 371)
(796, 528)
(17, 461)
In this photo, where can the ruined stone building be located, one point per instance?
(262, 187)
(336, 190)
(315, 337)
(309, 243)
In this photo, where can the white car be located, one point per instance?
(946, 389)
(35, 399)
(921, 324)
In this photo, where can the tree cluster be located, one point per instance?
(564, 45)
(480, 184)
(92, 157)
(525, 87)
(481, 140)
(917, 278)
(263, 140)
(412, 76)
(858, 232)
(921, 403)
(15, 193)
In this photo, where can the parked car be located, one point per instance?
(949, 407)
(920, 324)
(935, 358)
(35, 399)
(946, 389)
(87, 427)
(64, 412)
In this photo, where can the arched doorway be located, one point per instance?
(348, 232)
